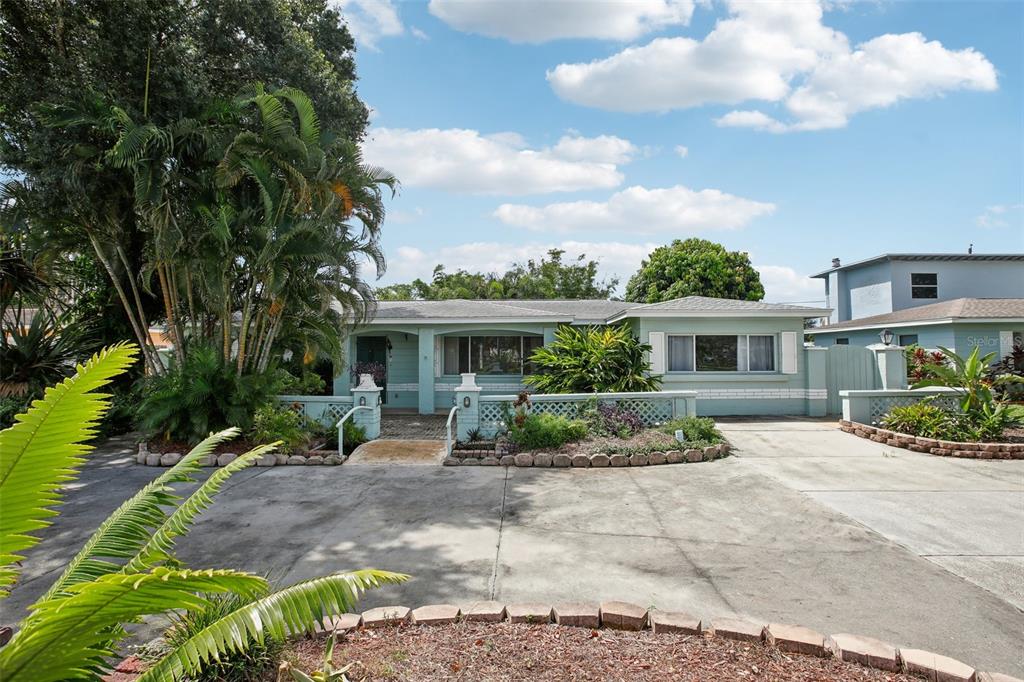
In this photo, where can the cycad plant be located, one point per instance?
(127, 569)
(592, 360)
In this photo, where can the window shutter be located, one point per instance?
(657, 343)
(1005, 344)
(438, 354)
(789, 350)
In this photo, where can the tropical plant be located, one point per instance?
(918, 360)
(694, 267)
(922, 418)
(695, 429)
(610, 420)
(592, 360)
(538, 431)
(548, 278)
(375, 369)
(1012, 364)
(969, 378)
(273, 423)
(249, 664)
(38, 355)
(127, 569)
(201, 395)
(327, 672)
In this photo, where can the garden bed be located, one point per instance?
(944, 448)
(580, 459)
(507, 651)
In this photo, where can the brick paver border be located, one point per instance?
(864, 651)
(943, 448)
(594, 460)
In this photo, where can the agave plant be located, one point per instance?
(127, 569)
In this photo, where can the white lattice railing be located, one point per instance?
(326, 409)
(868, 407)
(653, 408)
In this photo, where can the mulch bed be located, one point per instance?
(505, 651)
(647, 440)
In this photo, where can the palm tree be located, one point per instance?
(127, 569)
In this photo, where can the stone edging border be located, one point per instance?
(619, 615)
(169, 459)
(943, 448)
(596, 460)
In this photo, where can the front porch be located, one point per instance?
(403, 425)
(421, 365)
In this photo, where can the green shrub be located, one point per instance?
(695, 430)
(919, 419)
(538, 431)
(930, 421)
(610, 420)
(307, 383)
(354, 436)
(592, 360)
(272, 423)
(11, 406)
(201, 395)
(248, 664)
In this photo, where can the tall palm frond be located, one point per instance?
(44, 449)
(160, 545)
(70, 638)
(131, 527)
(288, 612)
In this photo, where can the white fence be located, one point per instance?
(868, 407)
(326, 409)
(655, 407)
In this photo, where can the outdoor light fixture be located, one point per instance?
(465, 401)
(886, 336)
(362, 401)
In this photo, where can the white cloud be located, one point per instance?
(465, 161)
(783, 284)
(682, 151)
(419, 33)
(774, 52)
(370, 20)
(538, 21)
(640, 210)
(1001, 215)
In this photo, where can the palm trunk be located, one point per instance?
(169, 312)
(268, 346)
(149, 356)
(243, 332)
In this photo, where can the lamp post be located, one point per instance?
(886, 337)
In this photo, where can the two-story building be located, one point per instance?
(959, 301)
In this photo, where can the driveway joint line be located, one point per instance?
(492, 587)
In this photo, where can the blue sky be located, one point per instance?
(792, 131)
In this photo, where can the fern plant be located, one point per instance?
(127, 569)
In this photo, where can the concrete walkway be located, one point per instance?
(775, 533)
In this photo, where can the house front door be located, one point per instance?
(374, 349)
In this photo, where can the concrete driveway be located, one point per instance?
(805, 525)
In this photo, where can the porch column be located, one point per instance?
(426, 370)
(549, 335)
(342, 380)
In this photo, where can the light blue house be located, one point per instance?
(741, 357)
(898, 281)
(959, 301)
(991, 324)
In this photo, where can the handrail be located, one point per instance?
(448, 437)
(341, 430)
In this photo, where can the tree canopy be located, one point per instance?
(694, 267)
(548, 278)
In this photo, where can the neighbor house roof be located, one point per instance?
(588, 311)
(925, 257)
(956, 310)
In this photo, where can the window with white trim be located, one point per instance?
(489, 355)
(721, 353)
